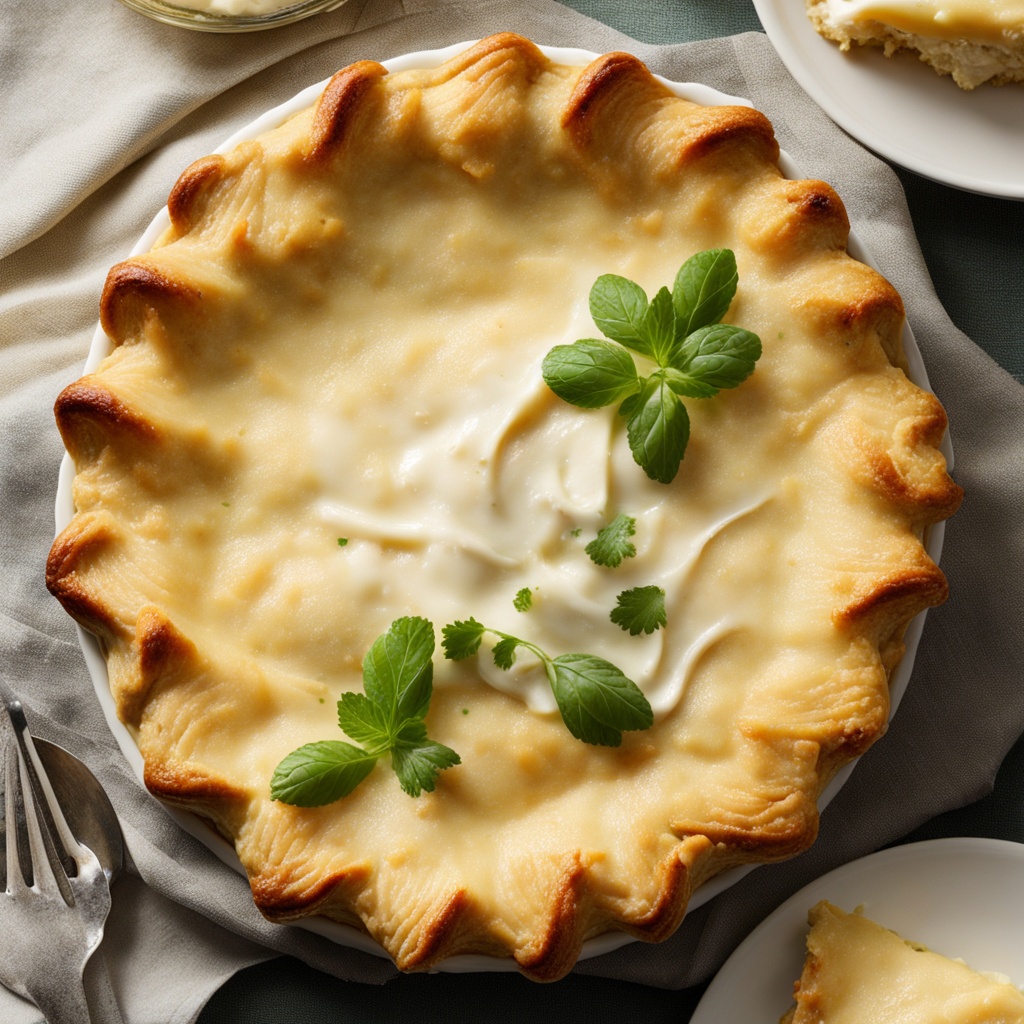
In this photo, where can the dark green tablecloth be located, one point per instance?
(973, 247)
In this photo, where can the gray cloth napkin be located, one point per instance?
(100, 114)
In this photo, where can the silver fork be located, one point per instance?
(57, 898)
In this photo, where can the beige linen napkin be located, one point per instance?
(100, 114)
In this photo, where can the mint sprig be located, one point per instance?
(596, 700)
(681, 331)
(387, 718)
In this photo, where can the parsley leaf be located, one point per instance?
(640, 610)
(418, 762)
(387, 718)
(504, 652)
(596, 700)
(681, 331)
(612, 543)
(462, 639)
(523, 601)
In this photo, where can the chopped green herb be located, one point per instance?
(596, 700)
(523, 601)
(342, 541)
(387, 718)
(612, 543)
(640, 610)
(576, 531)
(680, 331)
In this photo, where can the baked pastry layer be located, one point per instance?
(857, 971)
(974, 41)
(340, 338)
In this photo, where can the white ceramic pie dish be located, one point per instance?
(96, 663)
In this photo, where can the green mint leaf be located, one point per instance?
(320, 773)
(590, 373)
(461, 640)
(363, 721)
(618, 306)
(720, 356)
(630, 405)
(523, 601)
(658, 430)
(659, 326)
(612, 543)
(398, 670)
(640, 610)
(596, 700)
(505, 652)
(686, 385)
(398, 675)
(418, 764)
(703, 290)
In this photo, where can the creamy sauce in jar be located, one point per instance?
(238, 8)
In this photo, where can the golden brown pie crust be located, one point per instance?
(475, 867)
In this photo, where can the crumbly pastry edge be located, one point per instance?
(969, 64)
(88, 415)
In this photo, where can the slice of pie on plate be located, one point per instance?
(974, 41)
(323, 410)
(856, 970)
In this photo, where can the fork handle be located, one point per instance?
(67, 1006)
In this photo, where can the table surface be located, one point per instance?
(972, 245)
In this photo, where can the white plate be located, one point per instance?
(96, 662)
(960, 897)
(903, 110)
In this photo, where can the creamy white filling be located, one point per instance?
(473, 502)
(991, 21)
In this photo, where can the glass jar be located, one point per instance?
(230, 15)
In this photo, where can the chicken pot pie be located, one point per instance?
(856, 971)
(324, 411)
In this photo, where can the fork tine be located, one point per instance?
(50, 829)
(44, 877)
(54, 821)
(15, 875)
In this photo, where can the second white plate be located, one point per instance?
(903, 110)
(960, 897)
